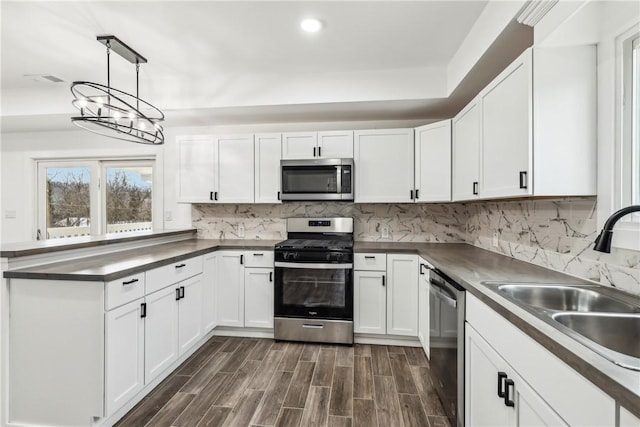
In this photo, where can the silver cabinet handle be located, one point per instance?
(312, 326)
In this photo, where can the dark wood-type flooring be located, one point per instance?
(259, 382)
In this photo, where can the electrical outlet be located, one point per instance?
(168, 215)
(241, 231)
(495, 240)
(385, 232)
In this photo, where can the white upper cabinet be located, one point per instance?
(506, 132)
(235, 168)
(433, 162)
(268, 152)
(531, 131)
(466, 152)
(197, 174)
(317, 145)
(215, 169)
(335, 144)
(383, 165)
(299, 145)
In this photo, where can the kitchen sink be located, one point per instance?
(566, 298)
(603, 319)
(615, 331)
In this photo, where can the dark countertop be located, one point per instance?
(466, 264)
(21, 249)
(470, 266)
(107, 267)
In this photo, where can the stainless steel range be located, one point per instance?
(314, 281)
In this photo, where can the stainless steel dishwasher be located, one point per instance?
(447, 355)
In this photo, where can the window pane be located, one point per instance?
(67, 203)
(128, 198)
(635, 123)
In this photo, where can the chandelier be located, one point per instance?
(111, 112)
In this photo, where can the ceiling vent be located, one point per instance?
(43, 78)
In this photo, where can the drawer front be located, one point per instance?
(370, 262)
(122, 291)
(258, 259)
(161, 277)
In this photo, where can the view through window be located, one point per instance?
(72, 201)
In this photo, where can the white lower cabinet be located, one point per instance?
(124, 348)
(245, 289)
(209, 290)
(370, 302)
(386, 297)
(424, 312)
(258, 297)
(161, 332)
(627, 419)
(402, 295)
(189, 313)
(543, 390)
(496, 395)
(230, 288)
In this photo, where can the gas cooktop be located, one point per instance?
(328, 244)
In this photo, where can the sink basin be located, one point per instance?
(565, 298)
(615, 331)
(603, 319)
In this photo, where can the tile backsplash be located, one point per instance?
(556, 234)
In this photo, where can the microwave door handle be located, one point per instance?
(339, 179)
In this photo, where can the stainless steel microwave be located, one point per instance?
(317, 179)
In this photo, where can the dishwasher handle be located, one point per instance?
(443, 293)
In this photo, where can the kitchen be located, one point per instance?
(414, 195)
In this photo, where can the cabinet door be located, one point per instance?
(160, 332)
(370, 302)
(507, 131)
(230, 288)
(209, 288)
(189, 313)
(383, 165)
(235, 166)
(335, 144)
(258, 297)
(483, 406)
(299, 145)
(402, 295)
(268, 152)
(197, 163)
(124, 359)
(423, 311)
(466, 153)
(433, 162)
(531, 409)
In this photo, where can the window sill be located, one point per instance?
(626, 235)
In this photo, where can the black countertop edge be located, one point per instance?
(16, 250)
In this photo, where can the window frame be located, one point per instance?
(98, 168)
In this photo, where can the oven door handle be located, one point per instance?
(443, 294)
(314, 266)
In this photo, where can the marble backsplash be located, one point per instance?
(556, 234)
(406, 222)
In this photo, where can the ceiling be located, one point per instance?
(246, 61)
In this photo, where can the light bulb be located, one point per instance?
(82, 102)
(142, 125)
(99, 101)
(116, 115)
(131, 115)
(311, 25)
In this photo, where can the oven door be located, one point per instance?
(314, 290)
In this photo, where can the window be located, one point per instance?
(78, 198)
(630, 158)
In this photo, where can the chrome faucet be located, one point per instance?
(603, 241)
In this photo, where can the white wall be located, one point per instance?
(21, 150)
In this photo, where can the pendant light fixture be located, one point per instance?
(112, 112)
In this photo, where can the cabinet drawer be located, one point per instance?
(370, 262)
(166, 275)
(258, 259)
(124, 290)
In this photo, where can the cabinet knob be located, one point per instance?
(475, 188)
(508, 383)
(383, 280)
(523, 179)
(501, 377)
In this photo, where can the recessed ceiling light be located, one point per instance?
(311, 25)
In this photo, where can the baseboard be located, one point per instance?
(386, 340)
(228, 331)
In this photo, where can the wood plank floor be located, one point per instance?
(259, 382)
